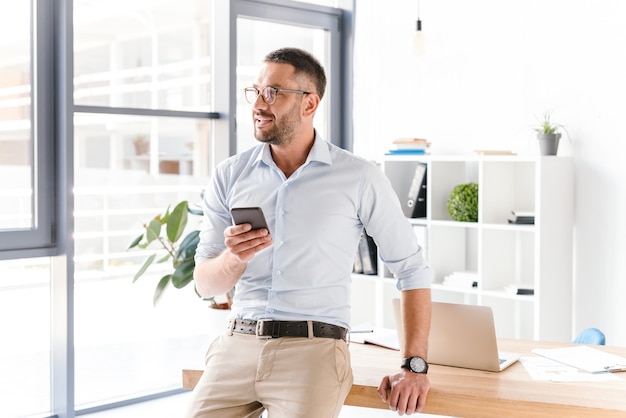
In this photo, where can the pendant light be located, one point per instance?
(417, 43)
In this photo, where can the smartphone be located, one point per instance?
(253, 216)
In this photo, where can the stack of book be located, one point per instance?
(462, 279)
(493, 152)
(516, 290)
(409, 146)
(522, 218)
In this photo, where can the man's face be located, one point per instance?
(277, 123)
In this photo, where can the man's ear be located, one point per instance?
(310, 103)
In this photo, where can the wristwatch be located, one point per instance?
(415, 364)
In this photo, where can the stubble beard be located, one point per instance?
(283, 131)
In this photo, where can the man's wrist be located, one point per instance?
(415, 364)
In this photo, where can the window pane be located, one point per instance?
(138, 145)
(25, 331)
(16, 163)
(146, 54)
(255, 38)
(126, 347)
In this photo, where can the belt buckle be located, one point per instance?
(259, 329)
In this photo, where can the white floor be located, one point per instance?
(171, 407)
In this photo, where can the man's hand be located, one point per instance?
(408, 391)
(244, 243)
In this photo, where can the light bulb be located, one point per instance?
(417, 42)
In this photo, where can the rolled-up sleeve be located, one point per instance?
(383, 219)
(213, 220)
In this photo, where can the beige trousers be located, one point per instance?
(289, 377)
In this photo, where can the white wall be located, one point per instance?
(489, 71)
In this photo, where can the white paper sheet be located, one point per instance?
(544, 369)
(584, 358)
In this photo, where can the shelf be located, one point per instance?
(537, 256)
(499, 294)
(453, 224)
(454, 289)
(509, 227)
(502, 294)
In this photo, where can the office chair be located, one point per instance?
(591, 336)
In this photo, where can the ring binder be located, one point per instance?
(415, 206)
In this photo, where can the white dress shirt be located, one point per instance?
(315, 217)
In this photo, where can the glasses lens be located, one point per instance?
(269, 94)
(251, 94)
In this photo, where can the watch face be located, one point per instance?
(418, 364)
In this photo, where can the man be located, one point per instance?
(285, 350)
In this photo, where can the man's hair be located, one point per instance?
(304, 63)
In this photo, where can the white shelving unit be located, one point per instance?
(535, 256)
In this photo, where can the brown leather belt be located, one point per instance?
(275, 329)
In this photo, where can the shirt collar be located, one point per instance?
(319, 152)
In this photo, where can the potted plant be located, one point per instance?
(548, 135)
(167, 230)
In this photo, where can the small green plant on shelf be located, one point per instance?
(548, 135)
(463, 203)
(166, 230)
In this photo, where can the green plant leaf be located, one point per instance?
(163, 259)
(153, 230)
(184, 273)
(166, 216)
(144, 267)
(160, 288)
(195, 209)
(144, 245)
(546, 126)
(188, 245)
(135, 242)
(177, 221)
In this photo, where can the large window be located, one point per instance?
(142, 142)
(153, 90)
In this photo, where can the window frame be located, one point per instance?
(39, 240)
(315, 16)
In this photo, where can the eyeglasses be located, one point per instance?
(268, 93)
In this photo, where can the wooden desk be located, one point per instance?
(473, 393)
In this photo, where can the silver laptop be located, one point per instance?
(462, 336)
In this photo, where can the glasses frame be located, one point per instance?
(263, 95)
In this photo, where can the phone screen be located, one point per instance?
(253, 216)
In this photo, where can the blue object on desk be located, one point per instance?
(591, 336)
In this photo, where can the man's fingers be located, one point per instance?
(383, 388)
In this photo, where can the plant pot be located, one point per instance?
(548, 143)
